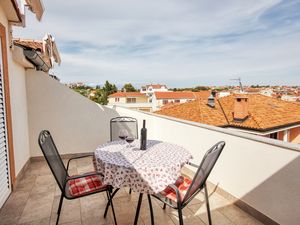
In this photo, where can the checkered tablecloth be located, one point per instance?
(144, 171)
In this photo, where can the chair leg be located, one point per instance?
(164, 207)
(109, 200)
(59, 207)
(207, 205)
(151, 209)
(180, 216)
(138, 209)
(112, 206)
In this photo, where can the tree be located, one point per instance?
(129, 88)
(107, 90)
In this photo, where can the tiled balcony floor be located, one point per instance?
(35, 202)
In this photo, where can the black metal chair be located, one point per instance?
(178, 195)
(123, 123)
(71, 187)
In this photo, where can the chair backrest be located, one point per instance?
(206, 166)
(123, 123)
(53, 158)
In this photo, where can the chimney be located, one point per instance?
(240, 111)
(211, 99)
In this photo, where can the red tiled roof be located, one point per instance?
(174, 95)
(33, 44)
(265, 113)
(126, 94)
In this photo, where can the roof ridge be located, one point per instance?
(223, 111)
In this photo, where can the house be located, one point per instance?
(133, 100)
(249, 113)
(149, 89)
(19, 60)
(161, 99)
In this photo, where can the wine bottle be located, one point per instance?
(144, 136)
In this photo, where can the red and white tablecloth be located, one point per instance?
(145, 171)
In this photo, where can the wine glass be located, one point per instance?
(123, 134)
(129, 139)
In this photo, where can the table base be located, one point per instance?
(138, 206)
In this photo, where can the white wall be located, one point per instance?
(77, 124)
(18, 105)
(263, 173)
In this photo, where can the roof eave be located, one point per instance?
(17, 10)
(264, 129)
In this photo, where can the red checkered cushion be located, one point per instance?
(85, 185)
(182, 183)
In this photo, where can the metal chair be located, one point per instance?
(178, 195)
(71, 187)
(123, 123)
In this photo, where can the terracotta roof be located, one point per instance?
(202, 94)
(156, 86)
(32, 44)
(126, 94)
(265, 113)
(175, 95)
(197, 111)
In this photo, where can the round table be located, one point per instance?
(145, 171)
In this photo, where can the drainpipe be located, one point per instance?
(37, 60)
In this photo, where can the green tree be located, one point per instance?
(107, 90)
(129, 88)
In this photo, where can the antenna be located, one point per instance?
(240, 83)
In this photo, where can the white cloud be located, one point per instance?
(182, 43)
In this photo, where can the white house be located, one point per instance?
(161, 99)
(149, 89)
(19, 60)
(133, 100)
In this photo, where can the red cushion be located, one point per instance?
(85, 185)
(182, 183)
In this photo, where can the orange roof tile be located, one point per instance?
(265, 113)
(175, 95)
(197, 111)
(126, 94)
(33, 44)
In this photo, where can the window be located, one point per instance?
(131, 100)
(177, 100)
(165, 101)
(117, 99)
(274, 135)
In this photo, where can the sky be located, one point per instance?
(174, 42)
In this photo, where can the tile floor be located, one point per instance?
(35, 202)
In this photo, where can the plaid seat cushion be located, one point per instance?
(182, 183)
(85, 185)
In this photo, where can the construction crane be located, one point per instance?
(240, 83)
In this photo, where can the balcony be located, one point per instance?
(256, 180)
(36, 198)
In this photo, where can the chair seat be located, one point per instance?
(182, 183)
(85, 185)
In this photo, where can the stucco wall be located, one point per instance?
(18, 106)
(260, 171)
(295, 135)
(77, 124)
